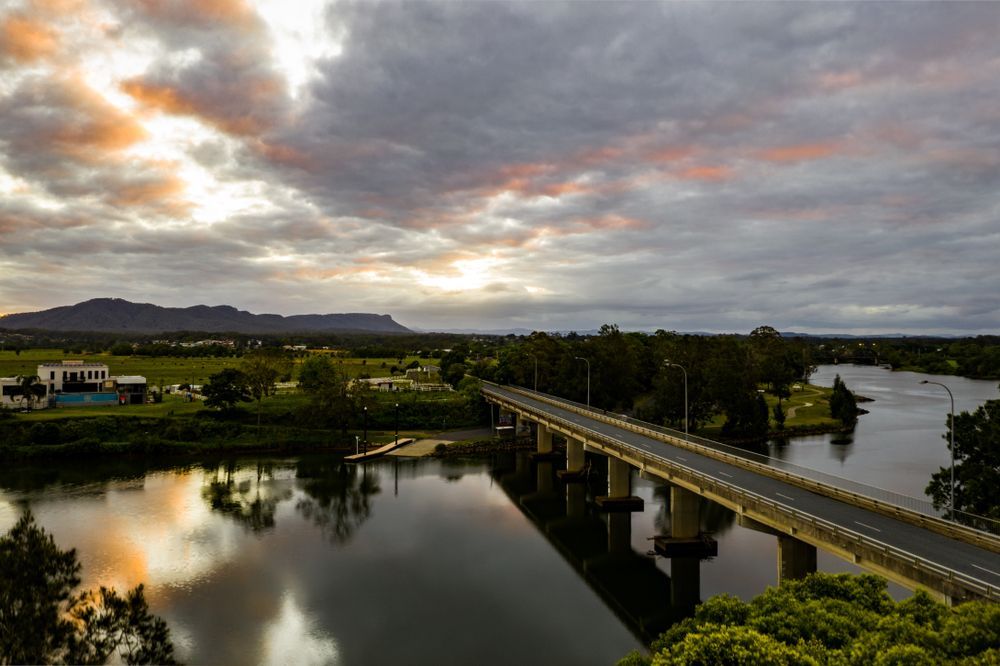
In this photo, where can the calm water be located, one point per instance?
(308, 561)
(898, 445)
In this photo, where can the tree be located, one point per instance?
(830, 619)
(262, 368)
(779, 416)
(843, 404)
(977, 464)
(29, 388)
(225, 389)
(331, 401)
(42, 621)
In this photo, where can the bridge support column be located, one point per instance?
(619, 532)
(686, 539)
(685, 585)
(684, 513)
(543, 449)
(796, 559)
(545, 482)
(576, 500)
(619, 497)
(575, 459)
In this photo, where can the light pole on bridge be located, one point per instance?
(951, 431)
(580, 358)
(535, 358)
(668, 363)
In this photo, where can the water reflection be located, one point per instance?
(249, 499)
(599, 546)
(898, 444)
(339, 496)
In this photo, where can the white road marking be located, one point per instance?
(986, 570)
(868, 526)
(724, 474)
(785, 496)
(681, 458)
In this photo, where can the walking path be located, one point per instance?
(425, 447)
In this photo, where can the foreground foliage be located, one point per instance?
(830, 619)
(43, 621)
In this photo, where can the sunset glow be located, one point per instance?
(474, 161)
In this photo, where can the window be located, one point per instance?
(52, 375)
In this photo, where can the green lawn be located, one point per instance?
(811, 409)
(171, 370)
(172, 405)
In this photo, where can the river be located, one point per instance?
(308, 560)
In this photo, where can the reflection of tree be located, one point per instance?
(338, 496)
(251, 501)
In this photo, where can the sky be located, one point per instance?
(483, 165)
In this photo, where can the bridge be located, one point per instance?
(900, 538)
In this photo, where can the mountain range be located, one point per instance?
(115, 315)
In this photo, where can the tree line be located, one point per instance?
(638, 373)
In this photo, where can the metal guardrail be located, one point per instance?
(922, 506)
(976, 585)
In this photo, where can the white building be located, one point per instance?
(74, 376)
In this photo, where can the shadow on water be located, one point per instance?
(599, 545)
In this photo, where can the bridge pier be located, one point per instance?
(575, 461)
(543, 448)
(619, 532)
(686, 539)
(796, 559)
(619, 497)
(576, 501)
(543, 475)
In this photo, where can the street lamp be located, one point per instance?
(951, 431)
(366, 428)
(667, 363)
(397, 424)
(580, 358)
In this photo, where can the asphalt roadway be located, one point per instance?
(969, 560)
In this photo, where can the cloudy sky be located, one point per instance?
(815, 167)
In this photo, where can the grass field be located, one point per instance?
(171, 370)
(807, 408)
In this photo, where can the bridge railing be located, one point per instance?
(742, 496)
(915, 504)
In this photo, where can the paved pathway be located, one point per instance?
(425, 447)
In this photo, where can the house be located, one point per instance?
(74, 377)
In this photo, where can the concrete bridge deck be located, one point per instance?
(911, 554)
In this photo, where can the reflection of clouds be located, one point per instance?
(160, 536)
(292, 639)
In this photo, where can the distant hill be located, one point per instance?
(117, 315)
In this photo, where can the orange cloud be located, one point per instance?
(163, 192)
(252, 95)
(93, 128)
(706, 173)
(233, 12)
(669, 154)
(800, 152)
(26, 40)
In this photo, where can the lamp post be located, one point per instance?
(366, 428)
(951, 431)
(667, 363)
(580, 358)
(397, 424)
